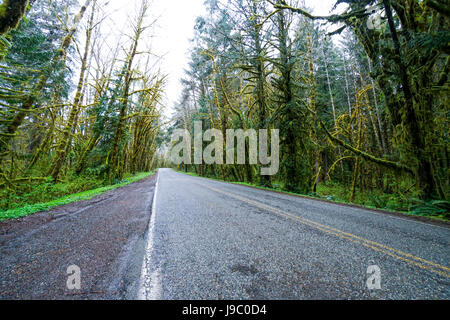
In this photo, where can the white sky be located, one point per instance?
(172, 32)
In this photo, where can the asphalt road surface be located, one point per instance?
(214, 240)
(193, 238)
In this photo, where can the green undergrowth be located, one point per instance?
(47, 195)
(375, 199)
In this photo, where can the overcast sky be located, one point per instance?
(173, 31)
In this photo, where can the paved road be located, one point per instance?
(194, 238)
(213, 240)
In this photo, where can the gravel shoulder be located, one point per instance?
(104, 237)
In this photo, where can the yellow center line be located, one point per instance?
(404, 256)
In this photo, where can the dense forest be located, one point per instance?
(77, 111)
(360, 98)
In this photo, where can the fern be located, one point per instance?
(431, 208)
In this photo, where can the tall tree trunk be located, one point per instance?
(64, 145)
(115, 156)
(424, 167)
(260, 84)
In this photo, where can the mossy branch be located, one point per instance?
(11, 12)
(382, 162)
(334, 18)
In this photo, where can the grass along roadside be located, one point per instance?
(85, 195)
(325, 197)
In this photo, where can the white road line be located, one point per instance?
(150, 284)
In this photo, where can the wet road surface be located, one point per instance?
(214, 240)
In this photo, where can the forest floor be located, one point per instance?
(103, 236)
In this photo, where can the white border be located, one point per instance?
(150, 283)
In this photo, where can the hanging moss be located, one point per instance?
(11, 12)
